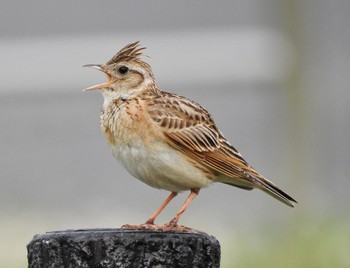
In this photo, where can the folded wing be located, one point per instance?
(189, 128)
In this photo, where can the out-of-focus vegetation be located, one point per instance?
(308, 243)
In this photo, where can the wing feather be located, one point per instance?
(189, 128)
(196, 132)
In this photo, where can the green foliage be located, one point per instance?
(305, 244)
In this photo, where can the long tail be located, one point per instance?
(271, 189)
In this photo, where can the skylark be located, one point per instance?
(165, 140)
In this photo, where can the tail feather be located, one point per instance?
(271, 189)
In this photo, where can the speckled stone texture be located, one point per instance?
(123, 248)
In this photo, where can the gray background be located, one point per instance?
(274, 74)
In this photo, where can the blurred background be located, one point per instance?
(274, 74)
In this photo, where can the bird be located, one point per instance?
(166, 140)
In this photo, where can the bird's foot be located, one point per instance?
(164, 228)
(175, 227)
(145, 226)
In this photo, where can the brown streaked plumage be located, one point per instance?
(165, 140)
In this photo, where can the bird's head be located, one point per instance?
(127, 74)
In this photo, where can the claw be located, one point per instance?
(145, 226)
(171, 227)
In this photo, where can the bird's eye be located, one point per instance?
(123, 69)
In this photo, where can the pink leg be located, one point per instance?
(160, 209)
(174, 221)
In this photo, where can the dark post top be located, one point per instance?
(123, 248)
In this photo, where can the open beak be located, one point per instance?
(102, 69)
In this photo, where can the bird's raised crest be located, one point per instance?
(168, 141)
(132, 51)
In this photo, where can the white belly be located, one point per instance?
(160, 167)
